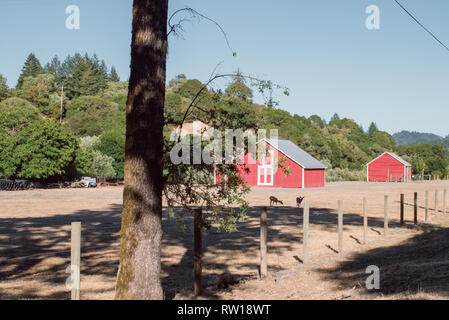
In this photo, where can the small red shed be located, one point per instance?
(305, 170)
(389, 167)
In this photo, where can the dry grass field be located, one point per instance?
(413, 260)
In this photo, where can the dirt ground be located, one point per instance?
(413, 260)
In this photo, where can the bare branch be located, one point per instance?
(176, 27)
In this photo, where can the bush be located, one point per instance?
(43, 150)
(338, 174)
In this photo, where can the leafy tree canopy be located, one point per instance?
(15, 114)
(238, 89)
(42, 150)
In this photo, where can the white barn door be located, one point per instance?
(265, 172)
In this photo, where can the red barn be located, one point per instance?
(305, 170)
(389, 167)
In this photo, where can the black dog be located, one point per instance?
(298, 201)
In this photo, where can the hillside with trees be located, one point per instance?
(44, 140)
(413, 138)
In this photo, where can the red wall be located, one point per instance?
(314, 178)
(379, 169)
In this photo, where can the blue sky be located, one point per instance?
(397, 76)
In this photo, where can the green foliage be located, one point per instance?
(102, 166)
(116, 90)
(113, 75)
(15, 114)
(92, 162)
(239, 90)
(112, 144)
(83, 75)
(89, 143)
(433, 159)
(54, 68)
(175, 84)
(4, 90)
(86, 115)
(31, 68)
(43, 93)
(190, 88)
(338, 174)
(42, 150)
(372, 128)
(316, 120)
(335, 117)
(173, 108)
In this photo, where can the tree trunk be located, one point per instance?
(141, 233)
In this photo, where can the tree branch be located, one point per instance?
(178, 26)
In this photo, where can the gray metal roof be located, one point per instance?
(405, 163)
(295, 153)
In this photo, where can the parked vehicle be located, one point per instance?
(89, 182)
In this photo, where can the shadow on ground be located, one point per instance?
(27, 242)
(419, 265)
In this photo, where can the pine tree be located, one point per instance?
(4, 90)
(83, 75)
(372, 128)
(54, 67)
(335, 117)
(31, 68)
(113, 76)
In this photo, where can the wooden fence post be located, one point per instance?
(436, 201)
(75, 257)
(197, 252)
(427, 206)
(305, 234)
(171, 213)
(402, 210)
(340, 227)
(365, 221)
(263, 242)
(415, 209)
(444, 200)
(385, 215)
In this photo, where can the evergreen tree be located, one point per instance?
(54, 67)
(83, 75)
(31, 68)
(372, 128)
(4, 90)
(335, 117)
(113, 75)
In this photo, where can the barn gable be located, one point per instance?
(398, 158)
(295, 153)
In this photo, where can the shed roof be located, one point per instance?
(405, 163)
(295, 153)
